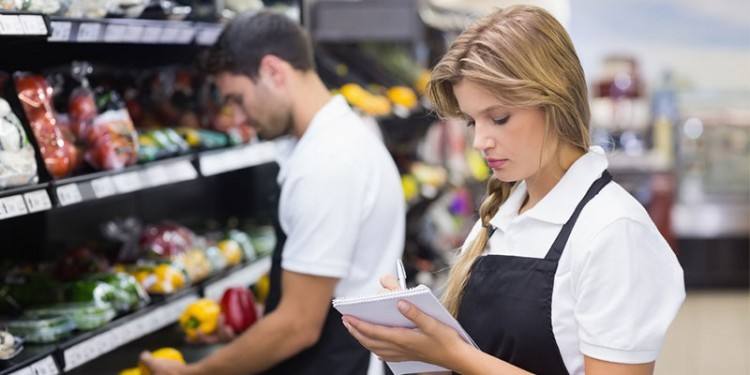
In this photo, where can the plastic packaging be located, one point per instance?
(17, 157)
(85, 315)
(41, 329)
(59, 153)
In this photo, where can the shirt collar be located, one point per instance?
(558, 205)
(335, 107)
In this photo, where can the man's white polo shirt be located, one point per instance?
(341, 203)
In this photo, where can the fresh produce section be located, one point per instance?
(133, 191)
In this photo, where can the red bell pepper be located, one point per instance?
(238, 307)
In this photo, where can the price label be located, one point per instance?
(208, 36)
(37, 201)
(182, 171)
(10, 24)
(33, 24)
(127, 182)
(169, 35)
(83, 352)
(24, 371)
(103, 187)
(156, 175)
(115, 33)
(12, 207)
(88, 32)
(151, 34)
(186, 35)
(133, 34)
(60, 31)
(45, 366)
(68, 194)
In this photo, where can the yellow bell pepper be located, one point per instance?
(231, 250)
(202, 315)
(163, 353)
(131, 371)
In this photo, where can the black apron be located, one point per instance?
(337, 352)
(507, 303)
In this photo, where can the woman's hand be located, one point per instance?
(389, 283)
(431, 341)
(224, 333)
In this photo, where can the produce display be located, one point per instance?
(17, 156)
(56, 145)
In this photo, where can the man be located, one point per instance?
(341, 206)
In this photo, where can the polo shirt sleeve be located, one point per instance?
(628, 290)
(320, 215)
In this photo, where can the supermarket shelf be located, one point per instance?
(89, 187)
(26, 25)
(86, 347)
(215, 162)
(132, 31)
(108, 183)
(106, 30)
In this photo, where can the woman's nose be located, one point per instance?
(482, 141)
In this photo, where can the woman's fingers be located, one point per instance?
(389, 283)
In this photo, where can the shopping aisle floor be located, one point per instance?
(711, 335)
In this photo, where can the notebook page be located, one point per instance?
(381, 309)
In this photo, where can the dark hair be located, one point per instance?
(251, 36)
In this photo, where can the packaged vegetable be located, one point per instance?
(40, 329)
(17, 156)
(59, 153)
(85, 315)
(200, 316)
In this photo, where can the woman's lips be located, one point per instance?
(496, 163)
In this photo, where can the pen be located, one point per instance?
(401, 274)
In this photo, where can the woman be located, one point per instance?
(564, 272)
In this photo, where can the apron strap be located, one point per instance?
(562, 238)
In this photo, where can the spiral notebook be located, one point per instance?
(381, 309)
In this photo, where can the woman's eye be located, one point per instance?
(502, 121)
(470, 123)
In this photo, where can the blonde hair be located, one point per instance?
(524, 57)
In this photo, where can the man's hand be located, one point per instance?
(159, 366)
(224, 333)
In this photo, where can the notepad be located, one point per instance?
(381, 309)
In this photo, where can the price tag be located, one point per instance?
(12, 207)
(45, 366)
(115, 33)
(182, 171)
(84, 352)
(10, 24)
(169, 35)
(60, 31)
(88, 32)
(33, 24)
(23, 371)
(186, 35)
(133, 34)
(68, 194)
(127, 182)
(103, 187)
(151, 34)
(37, 201)
(208, 36)
(156, 175)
